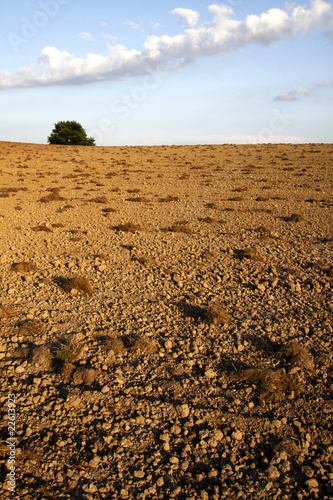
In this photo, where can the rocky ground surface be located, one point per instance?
(166, 321)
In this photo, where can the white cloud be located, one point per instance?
(188, 17)
(222, 35)
(293, 95)
(112, 38)
(86, 36)
(134, 26)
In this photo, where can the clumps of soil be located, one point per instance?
(181, 227)
(42, 358)
(298, 356)
(250, 254)
(23, 267)
(216, 315)
(41, 228)
(262, 198)
(128, 227)
(53, 196)
(57, 225)
(273, 384)
(79, 283)
(7, 312)
(29, 328)
(295, 218)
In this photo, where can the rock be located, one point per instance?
(210, 373)
(312, 484)
(273, 473)
(183, 411)
(237, 435)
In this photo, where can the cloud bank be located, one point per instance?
(164, 53)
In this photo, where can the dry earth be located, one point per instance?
(166, 321)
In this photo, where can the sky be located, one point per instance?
(168, 72)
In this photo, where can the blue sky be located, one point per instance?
(168, 72)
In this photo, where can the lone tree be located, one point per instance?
(70, 133)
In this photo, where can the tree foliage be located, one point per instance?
(70, 133)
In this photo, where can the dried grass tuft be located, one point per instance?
(210, 220)
(109, 210)
(138, 199)
(30, 327)
(53, 196)
(72, 352)
(100, 199)
(273, 384)
(143, 344)
(288, 446)
(296, 218)
(169, 199)
(251, 254)
(42, 228)
(216, 315)
(7, 312)
(67, 371)
(208, 256)
(79, 283)
(84, 376)
(115, 344)
(298, 356)
(181, 227)
(128, 227)
(23, 267)
(42, 358)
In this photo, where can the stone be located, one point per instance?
(237, 435)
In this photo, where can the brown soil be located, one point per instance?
(156, 351)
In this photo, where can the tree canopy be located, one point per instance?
(70, 133)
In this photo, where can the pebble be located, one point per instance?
(312, 484)
(183, 411)
(273, 472)
(237, 435)
(210, 373)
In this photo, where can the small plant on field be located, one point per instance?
(73, 351)
(79, 283)
(216, 315)
(23, 267)
(128, 227)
